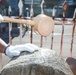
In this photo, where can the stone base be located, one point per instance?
(42, 62)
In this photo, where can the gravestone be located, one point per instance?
(41, 62)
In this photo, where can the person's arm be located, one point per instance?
(3, 45)
(12, 51)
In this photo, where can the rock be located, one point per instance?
(42, 62)
(72, 64)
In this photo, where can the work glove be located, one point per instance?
(1, 18)
(12, 51)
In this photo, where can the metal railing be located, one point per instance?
(51, 38)
(32, 36)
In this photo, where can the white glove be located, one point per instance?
(12, 51)
(1, 18)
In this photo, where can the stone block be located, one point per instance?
(41, 62)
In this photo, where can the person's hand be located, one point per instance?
(12, 51)
(1, 18)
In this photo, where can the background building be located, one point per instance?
(71, 5)
(49, 5)
(48, 8)
(14, 7)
